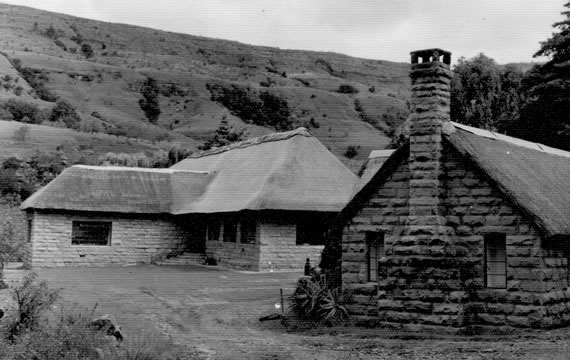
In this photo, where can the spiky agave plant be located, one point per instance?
(306, 300)
(332, 309)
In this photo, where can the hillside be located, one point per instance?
(101, 69)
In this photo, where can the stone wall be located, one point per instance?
(134, 240)
(234, 255)
(451, 291)
(279, 250)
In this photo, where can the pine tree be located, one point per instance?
(224, 135)
(149, 103)
(544, 117)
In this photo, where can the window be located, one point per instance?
(495, 261)
(214, 230)
(248, 231)
(310, 232)
(30, 228)
(230, 230)
(375, 250)
(91, 233)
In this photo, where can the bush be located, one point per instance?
(314, 300)
(87, 50)
(149, 103)
(347, 89)
(65, 112)
(265, 109)
(21, 110)
(351, 151)
(32, 299)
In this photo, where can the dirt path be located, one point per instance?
(215, 314)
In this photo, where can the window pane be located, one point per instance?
(375, 250)
(90, 232)
(248, 231)
(230, 230)
(496, 261)
(214, 230)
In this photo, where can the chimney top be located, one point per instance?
(431, 55)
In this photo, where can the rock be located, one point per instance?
(107, 323)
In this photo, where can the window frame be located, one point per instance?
(248, 231)
(78, 242)
(495, 242)
(230, 232)
(214, 226)
(374, 241)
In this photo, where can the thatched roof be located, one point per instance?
(119, 189)
(375, 160)
(533, 176)
(283, 171)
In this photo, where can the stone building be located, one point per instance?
(460, 228)
(260, 204)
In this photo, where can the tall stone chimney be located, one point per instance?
(430, 101)
(427, 239)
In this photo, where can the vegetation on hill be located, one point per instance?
(532, 105)
(102, 70)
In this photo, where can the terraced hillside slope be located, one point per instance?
(103, 69)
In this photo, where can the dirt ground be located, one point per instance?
(214, 314)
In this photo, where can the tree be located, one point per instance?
(544, 116)
(65, 112)
(485, 94)
(149, 103)
(87, 50)
(224, 135)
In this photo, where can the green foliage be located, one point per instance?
(143, 346)
(224, 135)
(60, 44)
(314, 300)
(22, 110)
(21, 178)
(544, 117)
(264, 109)
(87, 50)
(22, 133)
(32, 299)
(351, 151)
(64, 112)
(347, 89)
(149, 103)
(37, 81)
(486, 95)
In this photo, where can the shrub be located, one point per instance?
(265, 109)
(144, 346)
(18, 90)
(22, 133)
(65, 112)
(149, 103)
(37, 81)
(351, 151)
(32, 300)
(87, 50)
(314, 300)
(21, 109)
(60, 44)
(347, 89)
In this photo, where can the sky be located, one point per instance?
(505, 30)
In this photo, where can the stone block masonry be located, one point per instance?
(537, 290)
(134, 240)
(279, 250)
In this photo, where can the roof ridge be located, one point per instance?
(276, 136)
(511, 140)
(136, 169)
